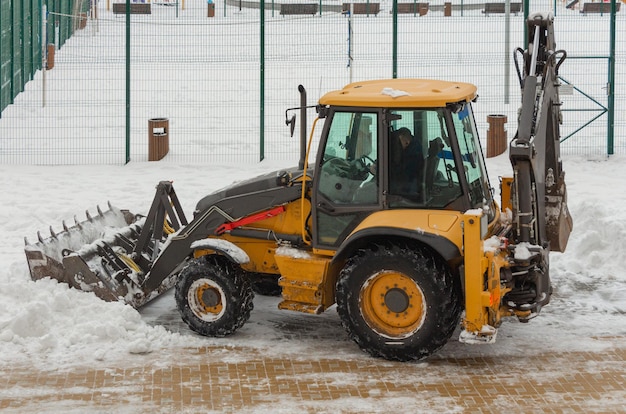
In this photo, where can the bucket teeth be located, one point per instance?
(112, 252)
(88, 255)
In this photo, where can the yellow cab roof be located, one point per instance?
(400, 93)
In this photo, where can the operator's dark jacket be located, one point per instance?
(406, 168)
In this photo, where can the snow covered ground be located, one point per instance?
(48, 326)
(51, 326)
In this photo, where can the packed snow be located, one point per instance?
(50, 325)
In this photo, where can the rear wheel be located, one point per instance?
(213, 296)
(398, 302)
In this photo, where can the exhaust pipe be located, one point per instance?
(302, 127)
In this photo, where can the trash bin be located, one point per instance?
(210, 9)
(50, 56)
(496, 135)
(158, 138)
(447, 9)
(82, 23)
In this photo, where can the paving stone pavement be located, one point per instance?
(243, 380)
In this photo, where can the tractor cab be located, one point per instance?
(418, 150)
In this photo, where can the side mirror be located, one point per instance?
(292, 123)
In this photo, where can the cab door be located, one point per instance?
(347, 187)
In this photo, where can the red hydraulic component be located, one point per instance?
(250, 219)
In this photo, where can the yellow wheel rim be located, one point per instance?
(206, 300)
(392, 304)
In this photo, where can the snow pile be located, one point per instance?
(593, 265)
(48, 321)
(589, 278)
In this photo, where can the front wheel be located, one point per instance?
(214, 297)
(398, 302)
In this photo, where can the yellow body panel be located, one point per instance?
(304, 281)
(440, 222)
(419, 93)
(324, 252)
(262, 252)
(483, 289)
(288, 222)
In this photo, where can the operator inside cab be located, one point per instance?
(406, 162)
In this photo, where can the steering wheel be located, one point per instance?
(353, 170)
(365, 166)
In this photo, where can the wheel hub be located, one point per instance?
(392, 304)
(396, 300)
(210, 297)
(206, 300)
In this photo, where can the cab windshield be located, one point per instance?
(471, 155)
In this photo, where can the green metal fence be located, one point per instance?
(21, 43)
(20, 46)
(222, 75)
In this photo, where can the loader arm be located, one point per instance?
(206, 223)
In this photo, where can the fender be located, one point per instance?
(443, 246)
(233, 252)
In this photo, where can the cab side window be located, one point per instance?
(348, 186)
(347, 170)
(422, 171)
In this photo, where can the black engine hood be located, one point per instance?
(263, 183)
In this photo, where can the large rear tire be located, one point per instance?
(398, 302)
(213, 296)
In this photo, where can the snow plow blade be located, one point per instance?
(108, 254)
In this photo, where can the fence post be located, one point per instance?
(127, 82)
(262, 82)
(611, 86)
(44, 57)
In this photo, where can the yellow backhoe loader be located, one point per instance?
(394, 223)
